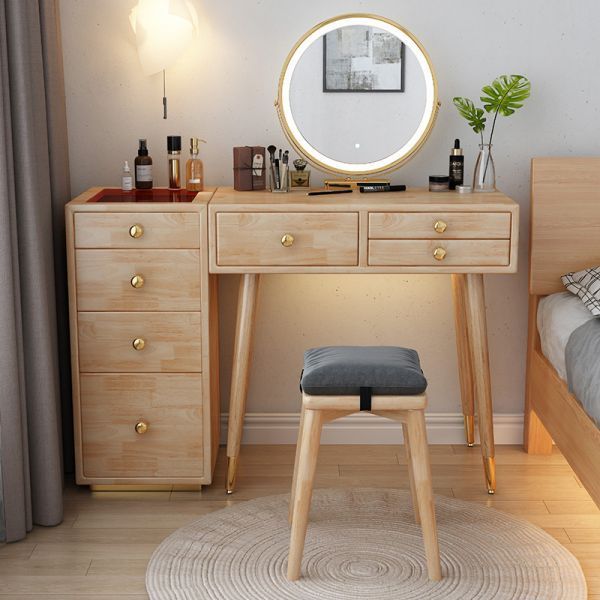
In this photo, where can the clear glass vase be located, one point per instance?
(484, 177)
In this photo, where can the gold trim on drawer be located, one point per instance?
(434, 253)
(137, 230)
(320, 239)
(171, 342)
(458, 225)
(170, 405)
(138, 280)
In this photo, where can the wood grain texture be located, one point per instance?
(475, 254)
(255, 239)
(173, 342)
(170, 404)
(158, 230)
(459, 225)
(565, 219)
(104, 280)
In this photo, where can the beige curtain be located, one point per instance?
(34, 186)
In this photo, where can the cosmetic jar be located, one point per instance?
(464, 189)
(439, 183)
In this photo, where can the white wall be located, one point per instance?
(223, 91)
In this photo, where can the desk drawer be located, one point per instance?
(406, 225)
(166, 280)
(137, 230)
(165, 342)
(451, 253)
(313, 239)
(169, 405)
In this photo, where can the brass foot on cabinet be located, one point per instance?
(489, 464)
(470, 430)
(231, 473)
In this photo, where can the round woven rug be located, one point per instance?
(362, 543)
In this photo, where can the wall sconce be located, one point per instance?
(163, 31)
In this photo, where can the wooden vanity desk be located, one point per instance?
(416, 231)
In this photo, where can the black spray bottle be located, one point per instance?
(457, 166)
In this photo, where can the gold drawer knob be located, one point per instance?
(136, 231)
(139, 343)
(439, 254)
(141, 427)
(287, 240)
(440, 226)
(137, 281)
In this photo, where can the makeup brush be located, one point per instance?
(271, 150)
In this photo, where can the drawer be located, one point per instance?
(456, 253)
(314, 239)
(399, 225)
(137, 230)
(170, 406)
(167, 279)
(170, 342)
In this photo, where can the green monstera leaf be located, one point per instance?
(474, 116)
(506, 94)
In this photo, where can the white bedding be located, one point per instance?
(559, 315)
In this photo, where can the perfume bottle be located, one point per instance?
(174, 152)
(126, 178)
(194, 169)
(143, 168)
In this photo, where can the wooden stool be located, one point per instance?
(342, 369)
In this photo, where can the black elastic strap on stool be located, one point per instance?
(365, 398)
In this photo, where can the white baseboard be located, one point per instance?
(442, 428)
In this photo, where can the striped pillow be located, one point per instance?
(586, 285)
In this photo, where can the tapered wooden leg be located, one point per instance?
(536, 439)
(307, 464)
(296, 460)
(242, 355)
(465, 371)
(480, 363)
(419, 452)
(411, 476)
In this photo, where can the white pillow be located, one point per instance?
(586, 285)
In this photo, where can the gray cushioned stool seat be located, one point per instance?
(343, 370)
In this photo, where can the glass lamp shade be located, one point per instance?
(163, 30)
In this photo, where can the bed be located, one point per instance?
(565, 236)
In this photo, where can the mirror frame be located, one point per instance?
(304, 148)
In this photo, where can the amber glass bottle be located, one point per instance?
(194, 169)
(143, 168)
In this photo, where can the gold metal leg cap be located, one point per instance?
(489, 464)
(231, 473)
(470, 430)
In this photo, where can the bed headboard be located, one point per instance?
(565, 220)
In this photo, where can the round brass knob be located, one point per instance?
(137, 281)
(287, 240)
(141, 427)
(440, 226)
(439, 254)
(139, 343)
(136, 231)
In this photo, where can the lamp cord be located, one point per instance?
(164, 95)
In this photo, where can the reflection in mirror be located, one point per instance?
(357, 95)
(346, 95)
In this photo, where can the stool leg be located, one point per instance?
(411, 476)
(422, 473)
(296, 460)
(307, 464)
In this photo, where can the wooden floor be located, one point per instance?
(101, 549)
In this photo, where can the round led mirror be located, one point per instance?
(357, 95)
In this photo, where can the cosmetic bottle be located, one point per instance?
(457, 166)
(174, 152)
(194, 169)
(126, 178)
(143, 168)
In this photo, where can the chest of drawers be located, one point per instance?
(144, 321)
